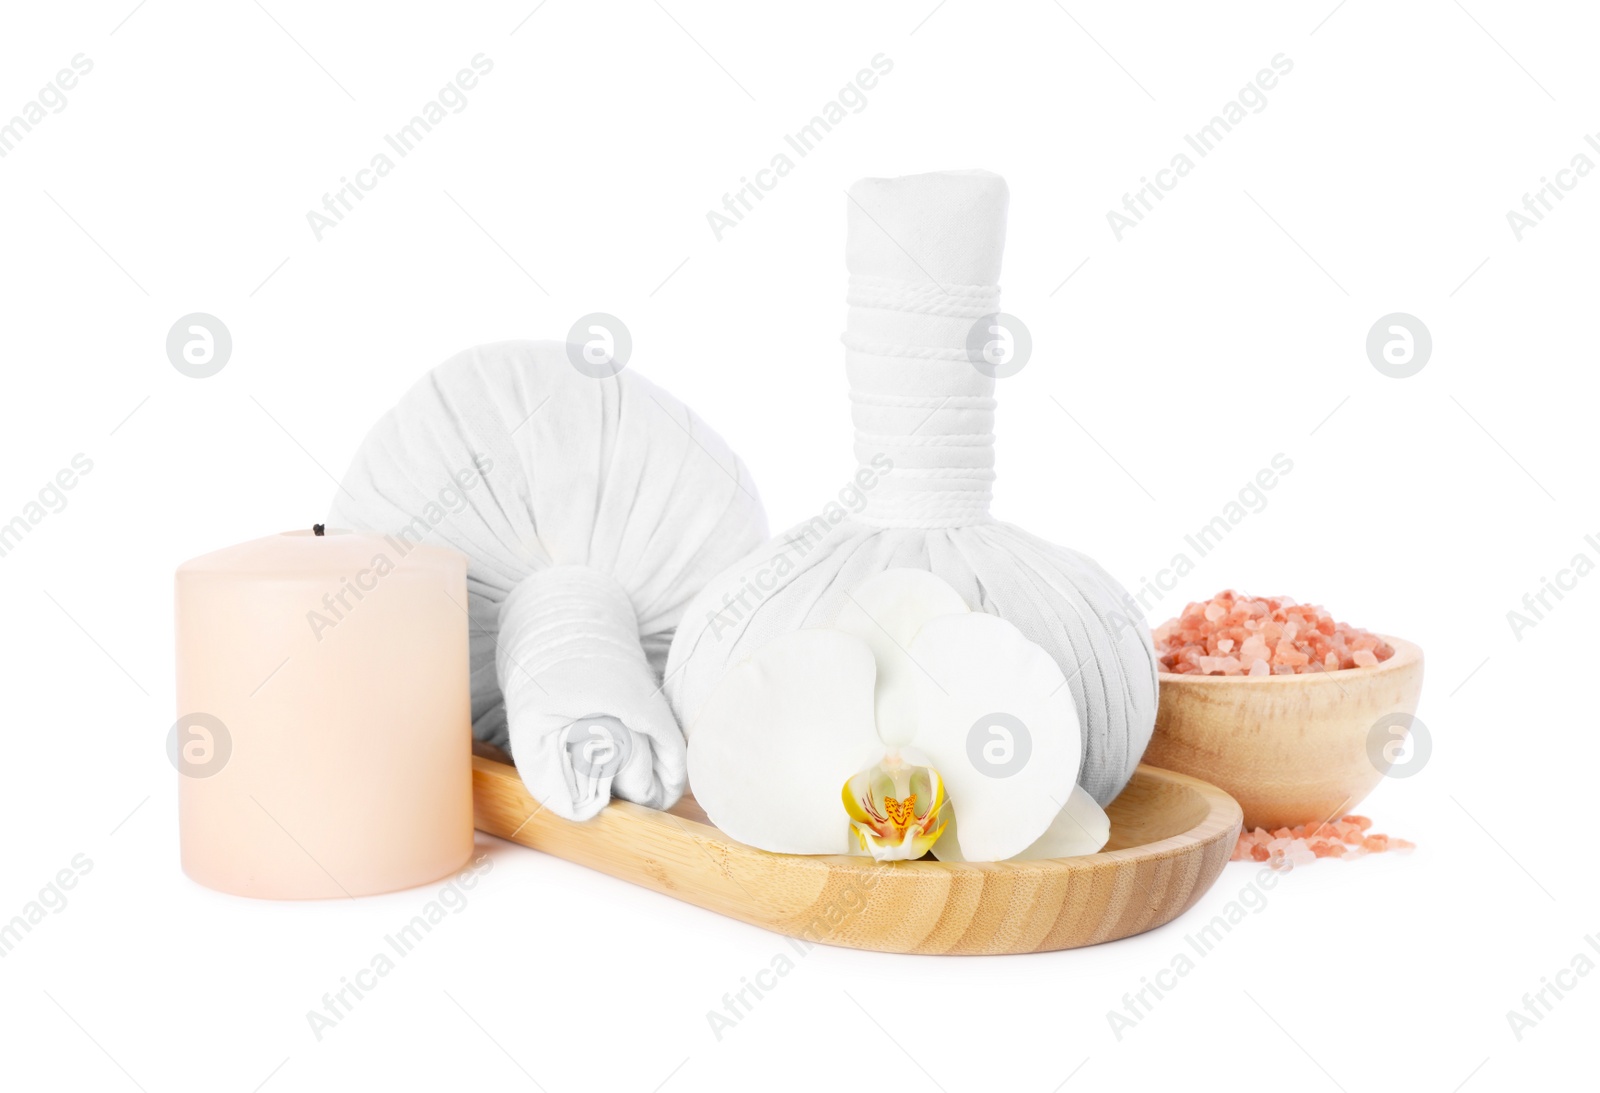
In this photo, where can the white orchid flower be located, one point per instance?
(924, 710)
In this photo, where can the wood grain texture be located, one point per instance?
(1290, 749)
(1170, 837)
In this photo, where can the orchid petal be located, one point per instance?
(1082, 827)
(778, 736)
(995, 716)
(887, 611)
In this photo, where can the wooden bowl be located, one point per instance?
(1291, 749)
(1170, 838)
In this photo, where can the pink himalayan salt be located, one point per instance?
(1291, 846)
(1234, 635)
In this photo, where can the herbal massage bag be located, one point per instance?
(924, 263)
(591, 511)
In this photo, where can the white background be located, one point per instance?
(1227, 327)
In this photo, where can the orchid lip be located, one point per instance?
(897, 807)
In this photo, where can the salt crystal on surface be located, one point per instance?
(1288, 847)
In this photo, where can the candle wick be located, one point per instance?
(316, 529)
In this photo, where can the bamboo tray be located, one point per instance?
(1170, 837)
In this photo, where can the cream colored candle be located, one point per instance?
(324, 736)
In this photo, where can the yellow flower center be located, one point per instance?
(881, 802)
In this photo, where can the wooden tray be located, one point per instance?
(1170, 837)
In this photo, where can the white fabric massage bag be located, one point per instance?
(924, 262)
(592, 510)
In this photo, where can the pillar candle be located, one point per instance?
(324, 733)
